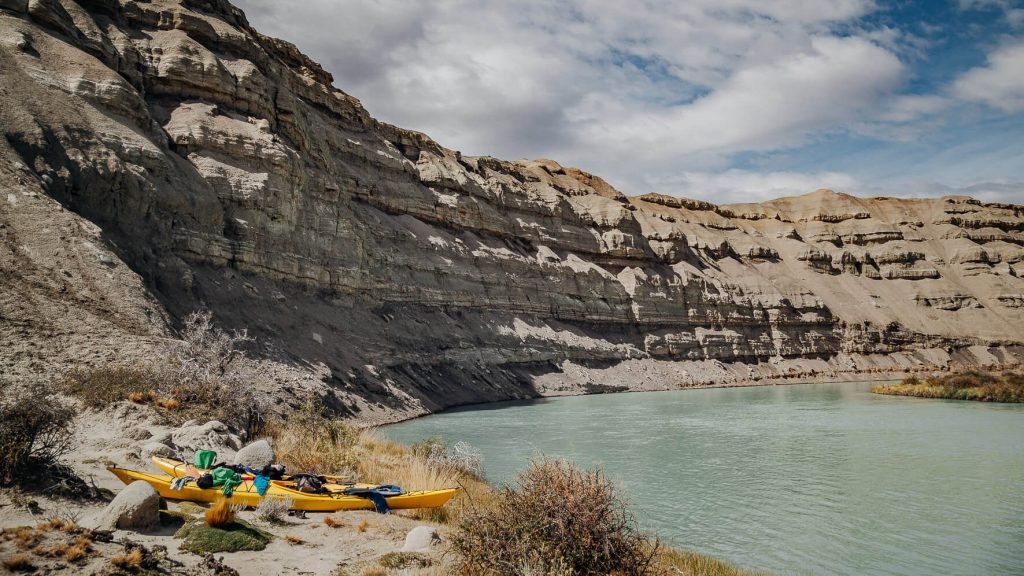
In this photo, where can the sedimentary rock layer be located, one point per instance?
(164, 156)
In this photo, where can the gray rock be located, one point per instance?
(212, 435)
(256, 455)
(151, 449)
(136, 508)
(420, 539)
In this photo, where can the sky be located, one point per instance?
(723, 100)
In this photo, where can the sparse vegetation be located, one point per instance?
(311, 441)
(199, 376)
(557, 519)
(36, 433)
(19, 563)
(671, 562)
(402, 560)
(56, 538)
(102, 386)
(979, 386)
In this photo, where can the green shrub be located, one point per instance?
(199, 538)
(36, 432)
(557, 519)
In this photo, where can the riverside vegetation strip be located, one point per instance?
(978, 386)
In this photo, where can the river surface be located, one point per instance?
(801, 479)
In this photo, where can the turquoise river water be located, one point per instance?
(802, 479)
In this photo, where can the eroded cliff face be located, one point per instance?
(163, 156)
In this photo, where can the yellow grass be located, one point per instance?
(333, 522)
(131, 559)
(679, 563)
(220, 515)
(19, 563)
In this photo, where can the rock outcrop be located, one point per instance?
(163, 156)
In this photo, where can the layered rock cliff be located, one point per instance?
(163, 156)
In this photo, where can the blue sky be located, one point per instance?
(727, 100)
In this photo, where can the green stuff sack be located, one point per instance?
(204, 459)
(227, 478)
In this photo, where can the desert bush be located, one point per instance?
(460, 456)
(556, 519)
(36, 433)
(205, 350)
(206, 373)
(273, 510)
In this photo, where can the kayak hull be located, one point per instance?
(245, 494)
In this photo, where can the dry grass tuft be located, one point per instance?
(374, 571)
(128, 560)
(80, 549)
(404, 560)
(310, 441)
(362, 526)
(61, 524)
(679, 563)
(19, 563)
(220, 515)
(333, 522)
(26, 537)
(294, 540)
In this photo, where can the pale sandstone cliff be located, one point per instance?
(163, 156)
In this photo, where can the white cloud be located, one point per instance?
(1000, 84)
(649, 95)
(535, 78)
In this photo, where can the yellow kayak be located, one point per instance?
(177, 469)
(247, 495)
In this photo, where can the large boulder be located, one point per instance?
(213, 435)
(136, 508)
(256, 455)
(420, 539)
(151, 449)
